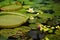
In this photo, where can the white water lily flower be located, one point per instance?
(46, 29)
(31, 17)
(48, 26)
(31, 10)
(45, 26)
(57, 27)
(52, 28)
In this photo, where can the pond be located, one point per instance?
(29, 19)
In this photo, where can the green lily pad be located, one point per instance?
(45, 16)
(33, 26)
(5, 33)
(53, 37)
(11, 20)
(11, 7)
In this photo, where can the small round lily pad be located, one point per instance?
(12, 20)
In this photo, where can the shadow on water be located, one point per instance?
(36, 35)
(26, 24)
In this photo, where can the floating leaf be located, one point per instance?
(11, 20)
(11, 7)
(33, 26)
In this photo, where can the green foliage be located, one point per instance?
(37, 1)
(53, 37)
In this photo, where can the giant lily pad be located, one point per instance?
(11, 20)
(11, 7)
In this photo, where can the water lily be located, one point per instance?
(57, 27)
(45, 26)
(31, 10)
(48, 26)
(52, 28)
(31, 17)
(46, 29)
